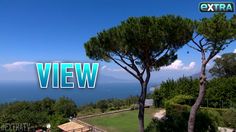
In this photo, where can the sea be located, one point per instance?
(30, 91)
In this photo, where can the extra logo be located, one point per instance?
(217, 7)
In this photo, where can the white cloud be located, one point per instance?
(217, 56)
(17, 66)
(179, 65)
(190, 66)
(105, 68)
(234, 50)
(176, 65)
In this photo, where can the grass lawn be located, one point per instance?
(121, 122)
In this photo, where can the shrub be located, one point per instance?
(229, 118)
(66, 107)
(177, 113)
(102, 105)
(180, 99)
(177, 119)
(220, 92)
(157, 98)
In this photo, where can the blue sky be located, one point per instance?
(56, 30)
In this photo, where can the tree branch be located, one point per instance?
(194, 42)
(143, 71)
(214, 52)
(196, 36)
(131, 66)
(200, 43)
(193, 47)
(134, 66)
(125, 68)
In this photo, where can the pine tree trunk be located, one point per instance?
(141, 101)
(142, 97)
(141, 115)
(201, 94)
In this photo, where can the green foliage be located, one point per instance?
(171, 88)
(86, 110)
(184, 85)
(226, 117)
(117, 104)
(107, 105)
(66, 107)
(229, 118)
(157, 98)
(177, 119)
(220, 92)
(224, 66)
(56, 120)
(180, 99)
(144, 38)
(102, 105)
(38, 113)
(23, 112)
(131, 100)
(207, 120)
(218, 32)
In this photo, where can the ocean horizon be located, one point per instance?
(30, 91)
